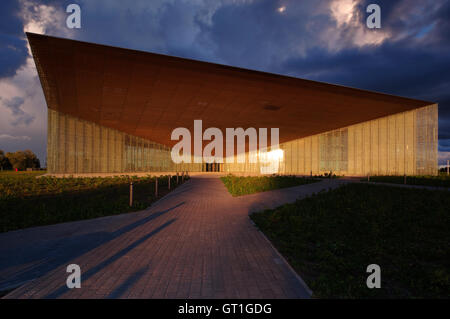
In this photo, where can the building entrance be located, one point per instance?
(213, 167)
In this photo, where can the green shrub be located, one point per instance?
(27, 201)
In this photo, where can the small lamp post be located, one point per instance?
(131, 193)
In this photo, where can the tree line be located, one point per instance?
(20, 160)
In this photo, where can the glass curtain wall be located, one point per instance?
(78, 146)
(403, 143)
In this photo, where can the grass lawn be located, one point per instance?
(243, 185)
(439, 181)
(27, 201)
(331, 238)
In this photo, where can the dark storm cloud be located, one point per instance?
(444, 122)
(13, 50)
(256, 35)
(442, 28)
(410, 17)
(19, 115)
(179, 27)
(391, 68)
(444, 145)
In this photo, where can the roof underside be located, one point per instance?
(149, 95)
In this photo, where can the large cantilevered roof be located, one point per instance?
(149, 95)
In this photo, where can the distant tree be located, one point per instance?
(32, 160)
(4, 162)
(23, 160)
(17, 159)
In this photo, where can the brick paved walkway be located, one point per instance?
(197, 242)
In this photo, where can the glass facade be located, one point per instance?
(78, 146)
(403, 143)
(333, 150)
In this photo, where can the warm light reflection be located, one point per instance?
(270, 161)
(343, 11)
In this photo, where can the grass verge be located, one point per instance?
(331, 238)
(436, 181)
(243, 185)
(27, 201)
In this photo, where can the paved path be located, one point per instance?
(196, 242)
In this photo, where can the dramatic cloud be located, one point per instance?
(22, 104)
(257, 35)
(20, 117)
(324, 40)
(11, 137)
(13, 48)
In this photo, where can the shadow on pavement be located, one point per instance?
(47, 256)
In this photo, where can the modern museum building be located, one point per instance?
(112, 110)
